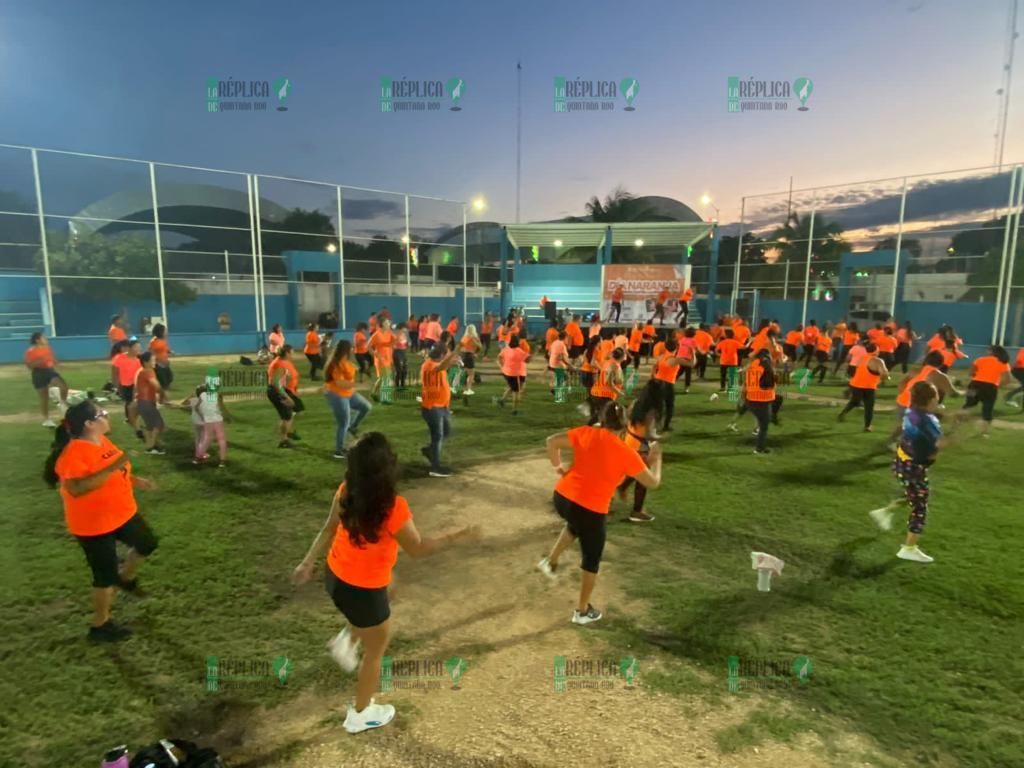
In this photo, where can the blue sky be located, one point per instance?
(900, 86)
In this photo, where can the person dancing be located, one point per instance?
(367, 523)
(40, 361)
(583, 495)
(988, 374)
(344, 401)
(644, 416)
(865, 380)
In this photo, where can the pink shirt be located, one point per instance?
(127, 367)
(557, 353)
(595, 330)
(621, 341)
(401, 340)
(432, 331)
(275, 341)
(513, 361)
(858, 354)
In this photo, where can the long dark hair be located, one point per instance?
(159, 331)
(592, 344)
(650, 400)
(341, 351)
(613, 417)
(369, 488)
(73, 426)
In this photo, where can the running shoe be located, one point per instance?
(50, 423)
(469, 392)
(732, 428)
(914, 554)
(760, 451)
(549, 570)
(640, 517)
(440, 472)
(340, 454)
(156, 450)
(344, 650)
(882, 518)
(586, 617)
(109, 633)
(374, 716)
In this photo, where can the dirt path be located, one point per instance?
(488, 605)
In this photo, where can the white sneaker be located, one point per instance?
(419, 399)
(344, 651)
(882, 518)
(469, 392)
(374, 716)
(587, 616)
(50, 423)
(732, 428)
(913, 553)
(549, 570)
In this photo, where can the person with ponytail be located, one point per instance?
(97, 488)
(40, 361)
(601, 461)
(339, 389)
(367, 523)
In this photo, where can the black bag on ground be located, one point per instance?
(245, 360)
(176, 753)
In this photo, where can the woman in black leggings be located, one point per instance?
(644, 416)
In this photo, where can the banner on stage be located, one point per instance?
(641, 284)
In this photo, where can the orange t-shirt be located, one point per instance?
(703, 341)
(886, 343)
(106, 508)
(283, 372)
(312, 344)
(145, 384)
(741, 333)
(602, 385)
(127, 367)
(659, 350)
(469, 344)
(874, 334)
(595, 330)
(728, 352)
(600, 463)
(486, 326)
(948, 357)
(550, 337)
(864, 378)
(39, 357)
(686, 295)
(368, 566)
(903, 398)
(159, 348)
(453, 327)
(636, 337)
(115, 334)
(850, 338)
(824, 343)
(359, 343)
(755, 393)
(794, 338)
(412, 325)
(436, 391)
(648, 331)
(575, 334)
(383, 344)
(618, 293)
(665, 372)
(662, 297)
(717, 331)
(811, 334)
(1019, 362)
(989, 370)
(341, 379)
(275, 341)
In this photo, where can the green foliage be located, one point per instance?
(118, 259)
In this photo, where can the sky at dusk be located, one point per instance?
(899, 87)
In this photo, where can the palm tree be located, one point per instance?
(620, 205)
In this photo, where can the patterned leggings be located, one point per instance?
(914, 478)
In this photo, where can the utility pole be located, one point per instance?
(519, 131)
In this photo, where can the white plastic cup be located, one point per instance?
(764, 580)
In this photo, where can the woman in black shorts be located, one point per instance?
(96, 486)
(601, 461)
(367, 523)
(40, 361)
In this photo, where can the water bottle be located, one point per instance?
(116, 758)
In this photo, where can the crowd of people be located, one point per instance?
(618, 448)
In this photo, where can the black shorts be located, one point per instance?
(576, 350)
(587, 379)
(585, 525)
(821, 356)
(284, 411)
(164, 375)
(902, 352)
(983, 392)
(360, 606)
(126, 393)
(150, 414)
(41, 377)
(789, 350)
(888, 358)
(468, 360)
(515, 383)
(101, 551)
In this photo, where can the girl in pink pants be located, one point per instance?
(210, 410)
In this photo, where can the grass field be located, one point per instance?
(922, 662)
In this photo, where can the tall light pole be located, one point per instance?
(519, 131)
(1004, 91)
(705, 200)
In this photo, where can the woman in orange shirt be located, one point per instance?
(644, 415)
(367, 524)
(635, 343)
(728, 351)
(666, 371)
(867, 375)
(382, 345)
(486, 327)
(1018, 374)
(40, 361)
(513, 360)
(684, 307)
(607, 384)
(469, 346)
(361, 345)
(162, 359)
(988, 373)
(617, 295)
(312, 350)
(147, 391)
(282, 391)
(347, 405)
(582, 497)
(905, 338)
(401, 355)
(275, 339)
(413, 325)
(96, 487)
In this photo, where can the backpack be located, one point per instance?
(176, 753)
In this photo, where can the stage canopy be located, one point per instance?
(584, 234)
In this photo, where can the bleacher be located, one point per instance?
(19, 319)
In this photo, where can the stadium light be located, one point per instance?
(558, 243)
(331, 247)
(479, 204)
(638, 243)
(405, 239)
(705, 200)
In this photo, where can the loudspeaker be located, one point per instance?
(551, 310)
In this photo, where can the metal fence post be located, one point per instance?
(259, 252)
(785, 282)
(408, 261)
(1006, 242)
(159, 248)
(1013, 251)
(807, 272)
(42, 242)
(739, 257)
(899, 245)
(252, 246)
(465, 268)
(341, 260)
(389, 277)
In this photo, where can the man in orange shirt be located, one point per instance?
(617, 295)
(435, 398)
(703, 342)
(649, 337)
(741, 332)
(574, 338)
(312, 350)
(123, 368)
(635, 344)
(659, 305)
(728, 351)
(684, 306)
(40, 361)
(666, 371)
(988, 373)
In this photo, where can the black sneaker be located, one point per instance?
(131, 587)
(294, 436)
(109, 633)
(440, 472)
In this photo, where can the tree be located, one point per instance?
(620, 205)
(120, 260)
(301, 230)
(908, 244)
